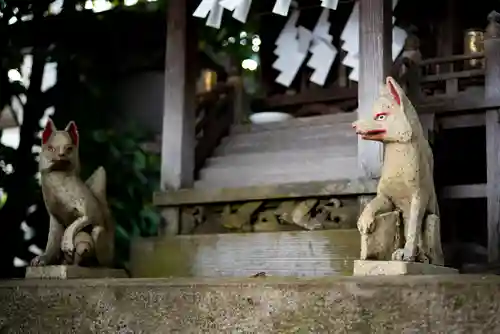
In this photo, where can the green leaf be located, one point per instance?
(139, 160)
(115, 152)
(136, 232)
(99, 136)
(121, 233)
(116, 204)
(150, 221)
(140, 176)
(130, 191)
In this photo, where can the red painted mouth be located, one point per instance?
(371, 132)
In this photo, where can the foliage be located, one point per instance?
(86, 94)
(82, 93)
(216, 40)
(133, 176)
(20, 185)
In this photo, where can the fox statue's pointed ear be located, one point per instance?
(72, 130)
(394, 89)
(49, 129)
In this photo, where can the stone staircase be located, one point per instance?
(321, 148)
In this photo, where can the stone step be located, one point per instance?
(345, 118)
(324, 169)
(266, 158)
(389, 305)
(303, 253)
(337, 169)
(336, 129)
(293, 134)
(242, 145)
(239, 182)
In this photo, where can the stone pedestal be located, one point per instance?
(388, 268)
(68, 272)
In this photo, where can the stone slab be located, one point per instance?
(72, 272)
(385, 305)
(388, 268)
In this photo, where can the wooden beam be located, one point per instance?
(462, 121)
(428, 122)
(256, 193)
(178, 138)
(492, 92)
(464, 191)
(446, 43)
(449, 59)
(323, 95)
(470, 102)
(452, 76)
(375, 49)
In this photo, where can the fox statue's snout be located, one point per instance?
(369, 129)
(388, 122)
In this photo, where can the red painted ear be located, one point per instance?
(393, 91)
(72, 130)
(48, 131)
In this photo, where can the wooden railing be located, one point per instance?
(450, 75)
(216, 111)
(336, 96)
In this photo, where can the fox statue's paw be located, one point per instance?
(68, 248)
(39, 260)
(366, 224)
(404, 254)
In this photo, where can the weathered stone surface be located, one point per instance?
(407, 304)
(386, 268)
(298, 254)
(65, 272)
(386, 238)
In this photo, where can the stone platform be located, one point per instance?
(387, 268)
(290, 254)
(385, 304)
(71, 272)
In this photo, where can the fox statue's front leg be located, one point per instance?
(413, 229)
(53, 249)
(380, 204)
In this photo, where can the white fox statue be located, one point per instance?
(405, 192)
(81, 227)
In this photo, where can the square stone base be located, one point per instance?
(388, 268)
(68, 272)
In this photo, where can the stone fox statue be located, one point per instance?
(81, 228)
(406, 185)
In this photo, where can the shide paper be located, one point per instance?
(213, 10)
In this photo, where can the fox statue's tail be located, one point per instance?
(103, 236)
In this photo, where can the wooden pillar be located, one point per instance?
(178, 138)
(492, 93)
(446, 44)
(375, 59)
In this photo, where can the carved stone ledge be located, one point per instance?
(319, 213)
(265, 192)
